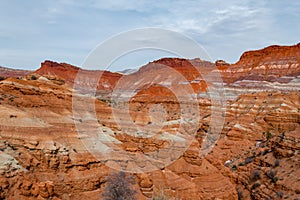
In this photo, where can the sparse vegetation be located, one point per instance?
(255, 185)
(107, 101)
(248, 160)
(276, 163)
(234, 168)
(33, 77)
(275, 179)
(119, 187)
(240, 195)
(265, 152)
(255, 175)
(161, 195)
(279, 194)
(11, 98)
(271, 174)
(268, 135)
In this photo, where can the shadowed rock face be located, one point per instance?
(257, 155)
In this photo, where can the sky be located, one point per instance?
(32, 31)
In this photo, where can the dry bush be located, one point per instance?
(119, 187)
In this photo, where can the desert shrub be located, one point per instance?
(279, 194)
(275, 179)
(234, 168)
(248, 160)
(255, 185)
(262, 145)
(11, 98)
(271, 174)
(119, 187)
(33, 77)
(2, 78)
(276, 163)
(265, 152)
(161, 195)
(255, 175)
(268, 135)
(240, 195)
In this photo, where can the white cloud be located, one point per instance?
(116, 5)
(202, 21)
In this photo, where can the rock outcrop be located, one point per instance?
(273, 63)
(69, 73)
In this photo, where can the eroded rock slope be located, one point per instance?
(45, 126)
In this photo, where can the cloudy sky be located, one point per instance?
(67, 30)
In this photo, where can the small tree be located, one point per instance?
(119, 187)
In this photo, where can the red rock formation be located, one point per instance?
(268, 64)
(70, 72)
(42, 156)
(221, 64)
